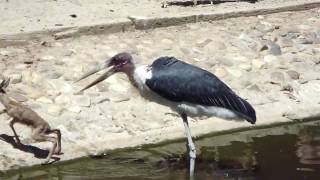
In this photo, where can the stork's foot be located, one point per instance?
(192, 156)
(45, 162)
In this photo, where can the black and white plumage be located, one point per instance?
(178, 81)
(189, 90)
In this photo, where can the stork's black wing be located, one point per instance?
(178, 81)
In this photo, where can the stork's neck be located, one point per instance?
(139, 76)
(130, 73)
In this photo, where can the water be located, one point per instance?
(285, 152)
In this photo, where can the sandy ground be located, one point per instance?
(19, 16)
(273, 61)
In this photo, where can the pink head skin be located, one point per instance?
(121, 62)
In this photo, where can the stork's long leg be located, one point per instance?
(192, 149)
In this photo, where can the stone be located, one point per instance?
(53, 74)
(54, 110)
(246, 67)
(82, 101)
(234, 72)
(264, 27)
(294, 75)
(60, 86)
(224, 61)
(167, 41)
(63, 99)
(274, 48)
(277, 77)
(66, 34)
(203, 43)
(15, 78)
(45, 100)
(254, 87)
(74, 109)
(258, 64)
(17, 96)
(247, 40)
(285, 42)
(270, 58)
(220, 72)
(47, 58)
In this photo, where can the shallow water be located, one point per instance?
(285, 152)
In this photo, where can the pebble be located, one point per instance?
(220, 72)
(274, 48)
(285, 42)
(82, 101)
(294, 75)
(277, 77)
(234, 72)
(258, 64)
(45, 100)
(54, 110)
(15, 78)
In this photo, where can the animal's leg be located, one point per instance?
(58, 133)
(192, 149)
(40, 135)
(14, 131)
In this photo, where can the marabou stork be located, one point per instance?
(189, 90)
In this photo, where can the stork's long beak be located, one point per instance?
(110, 71)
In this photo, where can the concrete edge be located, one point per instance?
(140, 23)
(201, 130)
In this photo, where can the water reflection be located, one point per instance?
(308, 145)
(286, 152)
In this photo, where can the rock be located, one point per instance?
(220, 45)
(234, 72)
(220, 72)
(285, 42)
(264, 27)
(185, 51)
(60, 86)
(102, 87)
(287, 87)
(66, 34)
(82, 101)
(270, 59)
(63, 99)
(47, 58)
(274, 48)
(277, 77)
(294, 75)
(45, 100)
(53, 74)
(74, 109)
(246, 67)
(258, 64)
(15, 78)
(54, 110)
(302, 40)
(247, 40)
(293, 35)
(31, 91)
(224, 61)
(167, 41)
(17, 96)
(203, 43)
(254, 87)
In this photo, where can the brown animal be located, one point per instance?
(21, 114)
